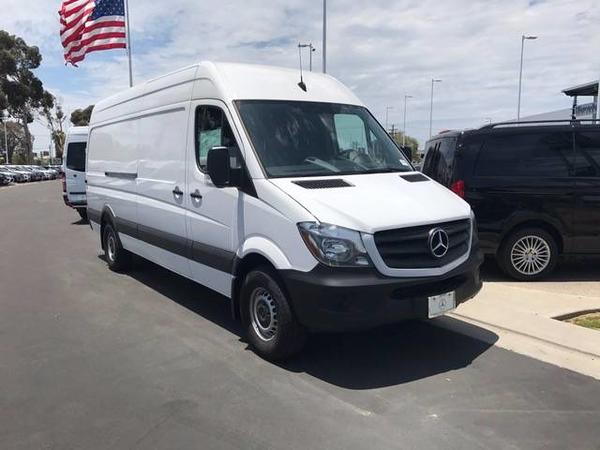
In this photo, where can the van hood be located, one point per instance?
(375, 202)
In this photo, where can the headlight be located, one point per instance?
(333, 245)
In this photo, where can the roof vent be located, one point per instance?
(414, 177)
(323, 184)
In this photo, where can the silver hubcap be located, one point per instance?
(263, 314)
(111, 247)
(530, 255)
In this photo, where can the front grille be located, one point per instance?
(408, 248)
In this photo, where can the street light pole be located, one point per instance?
(433, 81)
(324, 36)
(311, 50)
(406, 97)
(6, 141)
(523, 39)
(387, 111)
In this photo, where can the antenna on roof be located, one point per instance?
(301, 84)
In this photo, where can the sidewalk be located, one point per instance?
(522, 317)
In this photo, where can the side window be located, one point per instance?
(540, 154)
(76, 156)
(588, 153)
(212, 130)
(431, 158)
(445, 166)
(350, 131)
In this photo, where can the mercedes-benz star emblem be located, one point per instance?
(438, 242)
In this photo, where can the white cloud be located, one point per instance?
(381, 49)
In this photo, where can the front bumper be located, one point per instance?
(337, 299)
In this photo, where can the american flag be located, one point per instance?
(91, 25)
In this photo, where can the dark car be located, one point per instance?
(534, 188)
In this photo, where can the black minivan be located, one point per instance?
(534, 188)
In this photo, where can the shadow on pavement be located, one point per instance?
(381, 357)
(568, 269)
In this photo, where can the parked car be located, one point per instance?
(9, 176)
(35, 175)
(4, 179)
(534, 188)
(290, 199)
(74, 194)
(22, 175)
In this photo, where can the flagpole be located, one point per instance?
(324, 36)
(128, 42)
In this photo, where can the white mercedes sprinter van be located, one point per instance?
(290, 199)
(74, 194)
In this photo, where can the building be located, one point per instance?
(581, 108)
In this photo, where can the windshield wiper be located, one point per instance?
(386, 170)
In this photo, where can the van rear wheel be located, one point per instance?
(271, 327)
(117, 258)
(528, 254)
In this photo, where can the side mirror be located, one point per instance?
(218, 166)
(224, 167)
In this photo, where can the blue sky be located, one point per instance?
(381, 49)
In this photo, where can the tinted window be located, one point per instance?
(212, 130)
(588, 153)
(439, 162)
(309, 139)
(76, 156)
(541, 154)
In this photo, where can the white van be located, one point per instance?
(74, 194)
(290, 199)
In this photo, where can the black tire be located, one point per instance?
(287, 336)
(83, 214)
(513, 255)
(117, 258)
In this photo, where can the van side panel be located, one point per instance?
(112, 171)
(161, 175)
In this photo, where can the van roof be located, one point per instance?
(78, 130)
(227, 82)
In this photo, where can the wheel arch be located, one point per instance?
(536, 223)
(107, 216)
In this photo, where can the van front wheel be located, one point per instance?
(271, 327)
(117, 258)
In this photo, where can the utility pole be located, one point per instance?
(523, 39)
(387, 112)
(406, 97)
(324, 36)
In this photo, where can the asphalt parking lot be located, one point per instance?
(92, 359)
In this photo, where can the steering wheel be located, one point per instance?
(358, 158)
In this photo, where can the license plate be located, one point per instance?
(440, 304)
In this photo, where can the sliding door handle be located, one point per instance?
(177, 191)
(196, 195)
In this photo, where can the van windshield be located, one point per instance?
(302, 139)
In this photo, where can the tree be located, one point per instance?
(81, 117)
(17, 147)
(410, 142)
(22, 92)
(54, 117)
